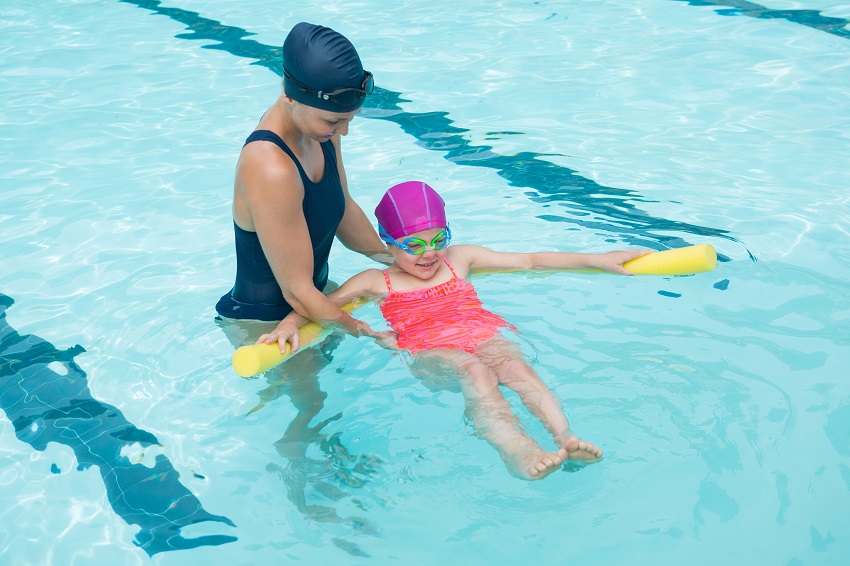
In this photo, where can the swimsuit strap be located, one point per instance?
(390, 287)
(270, 136)
(451, 268)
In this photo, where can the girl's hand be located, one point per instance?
(285, 331)
(613, 261)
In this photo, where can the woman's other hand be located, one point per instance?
(285, 332)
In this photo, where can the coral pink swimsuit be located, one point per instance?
(449, 315)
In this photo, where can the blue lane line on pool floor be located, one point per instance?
(809, 18)
(46, 397)
(583, 202)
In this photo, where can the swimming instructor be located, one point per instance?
(290, 195)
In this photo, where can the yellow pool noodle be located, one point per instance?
(680, 261)
(254, 359)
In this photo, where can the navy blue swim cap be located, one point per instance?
(321, 69)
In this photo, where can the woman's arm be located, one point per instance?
(272, 191)
(355, 230)
(477, 257)
(365, 285)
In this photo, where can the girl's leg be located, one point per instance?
(494, 420)
(506, 360)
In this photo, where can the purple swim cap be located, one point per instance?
(410, 207)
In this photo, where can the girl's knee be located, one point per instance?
(513, 370)
(481, 376)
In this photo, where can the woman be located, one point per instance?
(291, 196)
(290, 200)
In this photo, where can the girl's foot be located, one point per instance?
(537, 464)
(578, 450)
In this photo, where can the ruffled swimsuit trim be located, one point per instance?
(449, 315)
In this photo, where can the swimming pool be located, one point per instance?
(718, 398)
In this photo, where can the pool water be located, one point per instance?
(720, 399)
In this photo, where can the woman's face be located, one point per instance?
(321, 125)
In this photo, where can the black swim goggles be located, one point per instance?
(345, 96)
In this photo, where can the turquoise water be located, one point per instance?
(721, 399)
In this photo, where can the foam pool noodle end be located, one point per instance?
(254, 359)
(680, 261)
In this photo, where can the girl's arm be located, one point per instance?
(477, 257)
(368, 284)
(365, 285)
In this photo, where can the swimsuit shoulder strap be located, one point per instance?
(387, 279)
(270, 136)
(451, 268)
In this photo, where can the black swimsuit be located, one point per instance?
(256, 293)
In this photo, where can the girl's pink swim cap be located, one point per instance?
(410, 207)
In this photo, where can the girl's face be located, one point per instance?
(423, 266)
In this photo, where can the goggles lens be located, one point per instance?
(417, 246)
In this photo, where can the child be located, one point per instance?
(437, 316)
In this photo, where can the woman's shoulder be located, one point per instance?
(264, 157)
(268, 175)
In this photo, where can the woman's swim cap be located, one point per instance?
(410, 207)
(318, 60)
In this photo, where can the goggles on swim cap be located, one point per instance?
(345, 97)
(418, 246)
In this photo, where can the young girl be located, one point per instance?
(437, 316)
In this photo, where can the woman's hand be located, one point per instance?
(386, 257)
(613, 261)
(387, 339)
(285, 332)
